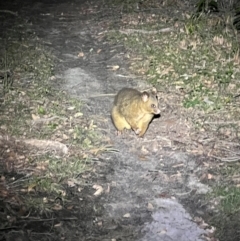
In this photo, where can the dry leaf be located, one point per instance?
(150, 207)
(58, 225)
(35, 117)
(99, 51)
(57, 207)
(99, 190)
(206, 164)
(144, 150)
(3, 191)
(21, 157)
(71, 131)
(88, 175)
(113, 67)
(163, 231)
(2, 178)
(71, 183)
(65, 137)
(71, 108)
(81, 54)
(42, 166)
(108, 189)
(127, 215)
(78, 114)
(209, 176)
(31, 187)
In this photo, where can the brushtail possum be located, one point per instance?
(134, 110)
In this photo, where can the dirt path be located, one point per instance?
(147, 178)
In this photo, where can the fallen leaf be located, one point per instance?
(150, 207)
(35, 117)
(127, 215)
(71, 108)
(70, 183)
(31, 187)
(108, 189)
(81, 54)
(78, 114)
(163, 231)
(2, 178)
(99, 190)
(113, 67)
(88, 175)
(65, 137)
(210, 176)
(144, 150)
(57, 225)
(57, 207)
(21, 157)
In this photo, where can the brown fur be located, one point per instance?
(134, 110)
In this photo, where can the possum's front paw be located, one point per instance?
(137, 131)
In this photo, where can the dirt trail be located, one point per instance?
(147, 177)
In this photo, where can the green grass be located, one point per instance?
(198, 57)
(229, 198)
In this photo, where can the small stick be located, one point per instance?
(129, 31)
(8, 11)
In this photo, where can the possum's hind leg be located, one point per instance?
(119, 121)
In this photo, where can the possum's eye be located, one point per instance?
(153, 106)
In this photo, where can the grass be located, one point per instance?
(193, 58)
(229, 199)
(225, 199)
(33, 110)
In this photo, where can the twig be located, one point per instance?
(222, 122)
(8, 11)
(101, 95)
(130, 31)
(230, 143)
(44, 120)
(228, 159)
(225, 149)
(45, 220)
(184, 193)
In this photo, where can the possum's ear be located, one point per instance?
(154, 91)
(145, 96)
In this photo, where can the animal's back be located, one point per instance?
(125, 101)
